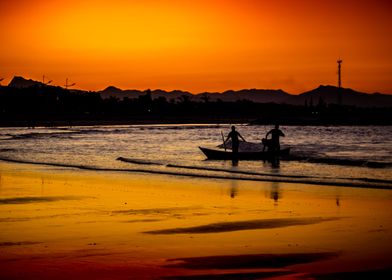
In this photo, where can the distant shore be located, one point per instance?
(48, 106)
(135, 121)
(193, 120)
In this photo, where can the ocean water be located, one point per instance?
(333, 155)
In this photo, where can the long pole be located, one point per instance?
(223, 139)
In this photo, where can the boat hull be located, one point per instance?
(228, 155)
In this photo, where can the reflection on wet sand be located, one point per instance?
(233, 192)
(233, 189)
(275, 192)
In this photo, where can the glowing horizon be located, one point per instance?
(198, 46)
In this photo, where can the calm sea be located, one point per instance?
(352, 155)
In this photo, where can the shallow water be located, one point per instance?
(329, 155)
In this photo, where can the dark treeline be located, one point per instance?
(45, 105)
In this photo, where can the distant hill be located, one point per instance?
(325, 94)
(329, 94)
(255, 95)
(20, 82)
(112, 91)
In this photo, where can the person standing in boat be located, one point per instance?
(235, 142)
(276, 133)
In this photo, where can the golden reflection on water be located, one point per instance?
(60, 217)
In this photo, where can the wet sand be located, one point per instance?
(58, 223)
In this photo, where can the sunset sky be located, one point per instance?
(204, 45)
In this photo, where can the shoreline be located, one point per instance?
(205, 176)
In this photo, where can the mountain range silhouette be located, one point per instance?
(324, 93)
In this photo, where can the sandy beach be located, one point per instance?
(59, 223)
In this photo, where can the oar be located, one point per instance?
(223, 138)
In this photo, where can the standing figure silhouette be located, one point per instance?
(235, 142)
(276, 133)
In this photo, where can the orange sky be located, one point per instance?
(204, 45)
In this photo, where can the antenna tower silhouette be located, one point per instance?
(339, 81)
(68, 85)
(43, 81)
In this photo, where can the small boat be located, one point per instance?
(255, 155)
